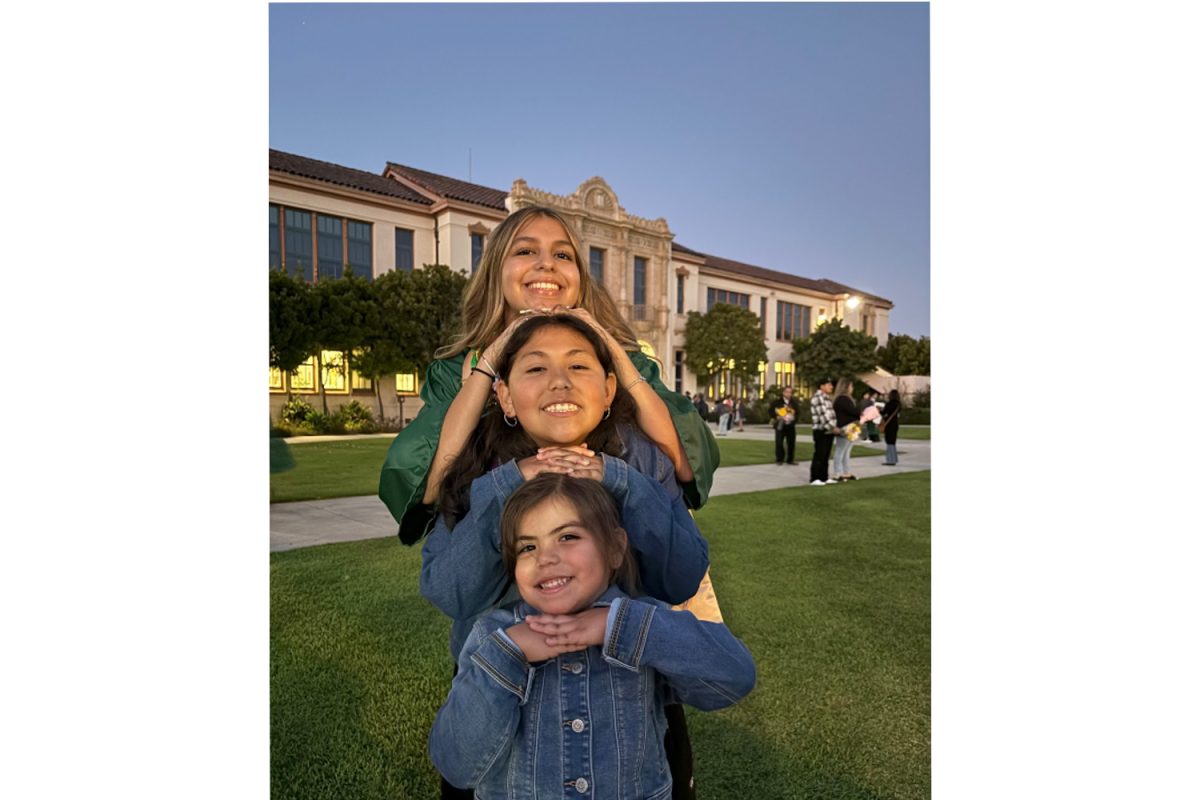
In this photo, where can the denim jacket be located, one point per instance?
(462, 571)
(588, 723)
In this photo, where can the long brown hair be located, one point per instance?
(484, 307)
(494, 441)
(596, 509)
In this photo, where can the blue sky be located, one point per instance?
(790, 136)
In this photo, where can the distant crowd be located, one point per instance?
(837, 422)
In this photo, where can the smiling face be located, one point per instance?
(557, 387)
(560, 567)
(541, 268)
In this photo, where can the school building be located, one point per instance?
(325, 218)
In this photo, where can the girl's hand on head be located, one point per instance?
(585, 315)
(492, 352)
(570, 632)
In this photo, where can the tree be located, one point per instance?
(435, 308)
(387, 347)
(418, 312)
(904, 355)
(346, 313)
(728, 337)
(291, 323)
(833, 351)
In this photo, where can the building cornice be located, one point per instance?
(595, 199)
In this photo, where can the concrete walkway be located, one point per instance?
(348, 519)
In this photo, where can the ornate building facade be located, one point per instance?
(326, 217)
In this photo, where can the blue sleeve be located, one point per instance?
(705, 665)
(462, 572)
(672, 556)
(476, 726)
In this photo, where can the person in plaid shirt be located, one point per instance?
(824, 425)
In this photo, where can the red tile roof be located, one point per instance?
(343, 176)
(823, 285)
(452, 188)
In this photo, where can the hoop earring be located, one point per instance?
(515, 422)
(607, 413)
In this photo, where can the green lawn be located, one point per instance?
(740, 452)
(829, 590)
(331, 469)
(914, 433)
(351, 468)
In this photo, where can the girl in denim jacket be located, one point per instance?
(564, 690)
(560, 411)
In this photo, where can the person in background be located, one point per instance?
(740, 415)
(845, 412)
(824, 427)
(726, 417)
(868, 400)
(891, 427)
(784, 413)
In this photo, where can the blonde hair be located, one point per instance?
(484, 306)
(844, 385)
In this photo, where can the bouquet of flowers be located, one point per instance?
(852, 431)
(869, 414)
(784, 416)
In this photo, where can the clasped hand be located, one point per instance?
(578, 461)
(548, 635)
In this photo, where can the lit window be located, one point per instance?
(334, 375)
(406, 383)
(302, 379)
(276, 379)
(784, 371)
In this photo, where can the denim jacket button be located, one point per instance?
(581, 785)
(574, 667)
(577, 725)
